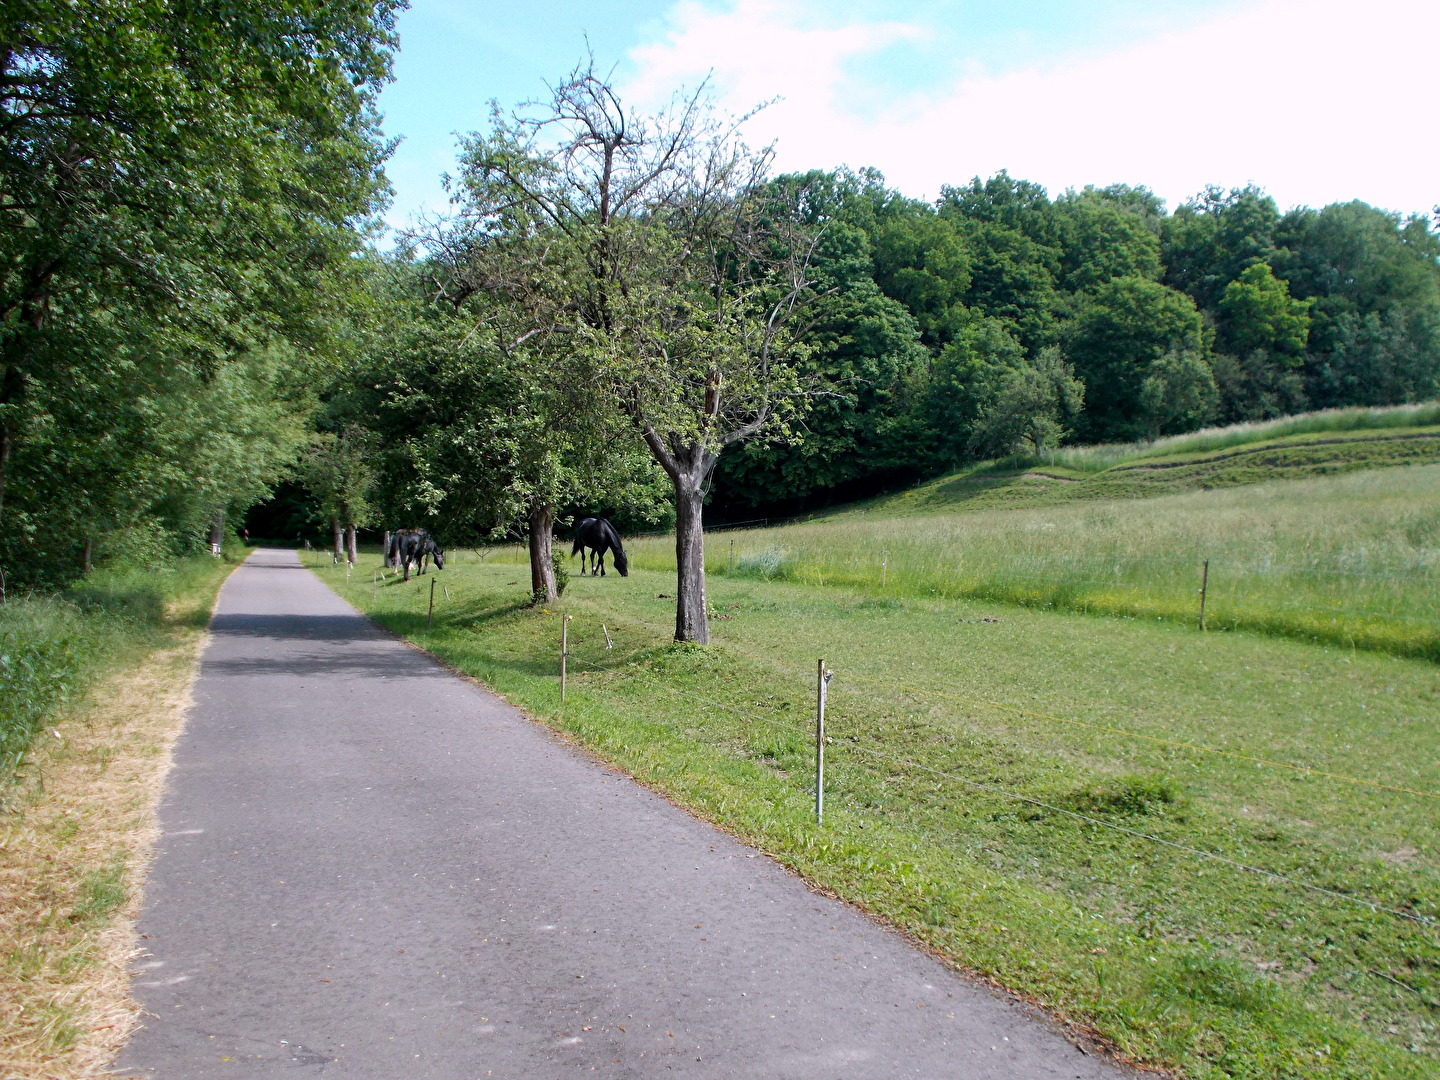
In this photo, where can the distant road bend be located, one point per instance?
(373, 870)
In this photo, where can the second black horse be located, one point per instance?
(413, 545)
(599, 536)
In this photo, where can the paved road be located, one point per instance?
(372, 870)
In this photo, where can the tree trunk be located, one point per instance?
(352, 549)
(85, 558)
(385, 551)
(217, 532)
(691, 621)
(542, 564)
(338, 535)
(5, 447)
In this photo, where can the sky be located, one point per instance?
(1316, 101)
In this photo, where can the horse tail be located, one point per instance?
(579, 547)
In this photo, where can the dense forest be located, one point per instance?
(999, 320)
(200, 308)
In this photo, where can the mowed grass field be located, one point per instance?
(1218, 851)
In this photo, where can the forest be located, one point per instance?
(622, 313)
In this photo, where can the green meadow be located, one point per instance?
(1350, 559)
(1217, 851)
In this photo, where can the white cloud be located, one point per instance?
(1316, 101)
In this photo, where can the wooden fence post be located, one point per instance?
(564, 653)
(430, 618)
(1204, 587)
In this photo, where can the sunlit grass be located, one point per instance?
(1352, 560)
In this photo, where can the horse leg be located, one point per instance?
(602, 562)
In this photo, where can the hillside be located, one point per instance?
(1301, 456)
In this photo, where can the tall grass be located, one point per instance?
(1352, 559)
(53, 646)
(1108, 455)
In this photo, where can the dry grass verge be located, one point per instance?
(79, 832)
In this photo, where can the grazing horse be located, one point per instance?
(413, 545)
(599, 536)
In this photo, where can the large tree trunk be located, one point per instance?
(217, 532)
(691, 622)
(542, 564)
(338, 536)
(352, 549)
(385, 551)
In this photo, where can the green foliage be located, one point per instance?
(338, 469)
(182, 188)
(1032, 406)
(1178, 393)
(562, 572)
(1121, 329)
(1106, 235)
(1260, 314)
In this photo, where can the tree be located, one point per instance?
(339, 470)
(1177, 394)
(177, 186)
(1210, 240)
(964, 382)
(1259, 313)
(1121, 328)
(655, 257)
(476, 437)
(1106, 234)
(1032, 406)
(862, 347)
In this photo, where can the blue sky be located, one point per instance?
(1315, 100)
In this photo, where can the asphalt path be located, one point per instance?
(374, 870)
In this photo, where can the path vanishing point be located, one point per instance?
(373, 870)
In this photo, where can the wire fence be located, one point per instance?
(994, 789)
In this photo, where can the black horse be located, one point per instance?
(599, 536)
(413, 545)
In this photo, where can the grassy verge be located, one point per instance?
(106, 678)
(1350, 560)
(1314, 764)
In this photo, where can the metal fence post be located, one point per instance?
(822, 685)
(430, 618)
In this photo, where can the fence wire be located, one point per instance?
(1224, 860)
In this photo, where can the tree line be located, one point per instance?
(622, 312)
(182, 190)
